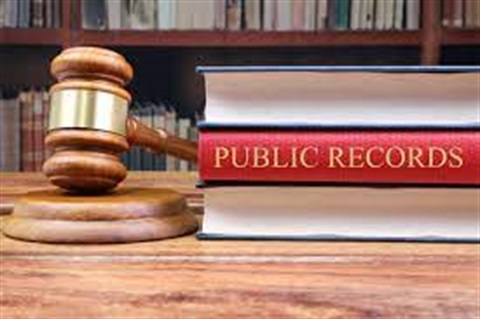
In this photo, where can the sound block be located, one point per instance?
(123, 216)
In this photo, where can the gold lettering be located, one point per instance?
(356, 158)
(260, 154)
(235, 156)
(335, 156)
(389, 159)
(303, 157)
(456, 160)
(415, 157)
(431, 157)
(294, 157)
(221, 153)
(368, 157)
(276, 159)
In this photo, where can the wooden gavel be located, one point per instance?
(89, 126)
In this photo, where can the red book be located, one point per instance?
(333, 156)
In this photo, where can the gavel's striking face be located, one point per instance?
(87, 121)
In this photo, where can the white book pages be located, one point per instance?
(346, 98)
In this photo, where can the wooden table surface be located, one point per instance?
(187, 278)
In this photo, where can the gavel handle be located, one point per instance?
(159, 141)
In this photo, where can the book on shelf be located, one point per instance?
(307, 152)
(266, 15)
(461, 14)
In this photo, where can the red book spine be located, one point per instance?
(396, 157)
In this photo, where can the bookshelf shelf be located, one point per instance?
(30, 36)
(461, 37)
(246, 38)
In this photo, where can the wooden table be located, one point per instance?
(186, 278)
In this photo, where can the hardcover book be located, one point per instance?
(390, 95)
(342, 213)
(340, 155)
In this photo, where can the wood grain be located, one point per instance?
(187, 278)
(218, 280)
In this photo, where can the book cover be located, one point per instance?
(355, 14)
(298, 15)
(114, 14)
(38, 133)
(143, 14)
(342, 14)
(390, 95)
(380, 16)
(399, 14)
(234, 14)
(10, 134)
(389, 12)
(413, 14)
(26, 105)
(253, 14)
(94, 14)
(310, 15)
(284, 15)
(11, 14)
(340, 155)
(270, 15)
(24, 14)
(220, 15)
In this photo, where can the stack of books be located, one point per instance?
(268, 15)
(362, 153)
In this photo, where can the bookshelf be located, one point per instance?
(429, 39)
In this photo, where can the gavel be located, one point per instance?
(89, 126)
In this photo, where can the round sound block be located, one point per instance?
(123, 216)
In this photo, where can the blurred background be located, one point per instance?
(165, 40)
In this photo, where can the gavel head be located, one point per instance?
(88, 118)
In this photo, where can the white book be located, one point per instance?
(380, 15)
(11, 14)
(310, 15)
(114, 14)
(252, 14)
(184, 16)
(389, 14)
(284, 15)
(399, 16)
(269, 15)
(355, 13)
(220, 14)
(143, 14)
(341, 97)
(166, 14)
(420, 214)
(204, 15)
(367, 14)
(183, 127)
(413, 14)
